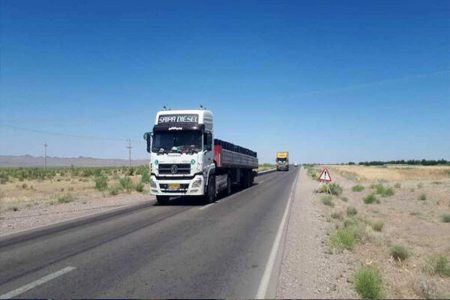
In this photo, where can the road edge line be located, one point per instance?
(25, 288)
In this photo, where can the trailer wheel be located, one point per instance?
(162, 200)
(228, 190)
(252, 178)
(245, 179)
(210, 196)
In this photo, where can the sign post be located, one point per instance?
(325, 178)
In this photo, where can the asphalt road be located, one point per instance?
(179, 250)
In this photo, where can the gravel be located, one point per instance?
(308, 268)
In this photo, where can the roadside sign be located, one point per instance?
(325, 176)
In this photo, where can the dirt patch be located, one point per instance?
(35, 197)
(41, 214)
(411, 214)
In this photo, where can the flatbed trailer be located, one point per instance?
(236, 162)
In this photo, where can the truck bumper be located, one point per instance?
(187, 187)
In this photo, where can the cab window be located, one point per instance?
(207, 141)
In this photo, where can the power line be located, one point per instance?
(64, 134)
(129, 151)
(45, 155)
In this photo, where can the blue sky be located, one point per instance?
(329, 81)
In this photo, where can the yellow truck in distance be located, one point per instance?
(282, 161)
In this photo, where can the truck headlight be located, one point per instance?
(197, 183)
(152, 183)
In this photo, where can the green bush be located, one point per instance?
(101, 182)
(399, 252)
(66, 198)
(350, 222)
(439, 265)
(312, 171)
(343, 238)
(368, 283)
(383, 191)
(145, 176)
(422, 197)
(358, 188)
(115, 190)
(4, 178)
(126, 184)
(377, 225)
(445, 218)
(348, 236)
(337, 215)
(90, 172)
(327, 200)
(332, 188)
(397, 185)
(335, 189)
(369, 199)
(351, 211)
(140, 187)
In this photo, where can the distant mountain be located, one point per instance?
(33, 161)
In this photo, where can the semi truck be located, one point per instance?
(186, 159)
(282, 161)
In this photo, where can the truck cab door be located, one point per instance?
(208, 157)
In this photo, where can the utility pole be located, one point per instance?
(45, 155)
(129, 151)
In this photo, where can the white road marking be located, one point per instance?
(264, 284)
(36, 283)
(208, 205)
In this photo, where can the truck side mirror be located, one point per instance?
(148, 138)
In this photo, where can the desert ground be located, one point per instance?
(31, 197)
(394, 222)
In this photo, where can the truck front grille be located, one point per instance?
(174, 169)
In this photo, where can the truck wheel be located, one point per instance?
(228, 190)
(162, 200)
(210, 196)
(245, 180)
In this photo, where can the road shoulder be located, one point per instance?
(308, 270)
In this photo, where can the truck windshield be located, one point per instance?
(186, 141)
(281, 159)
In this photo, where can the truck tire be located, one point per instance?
(252, 178)
(229, 187)
(162, 200)
(249, 179)
(210, 195)
(245, 179)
